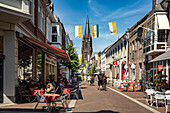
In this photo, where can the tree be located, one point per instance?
(39, 61)
(94, 69)
(25, 62)
(73, 64)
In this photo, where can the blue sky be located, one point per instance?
(125, 12)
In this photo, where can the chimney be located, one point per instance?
(154, 3)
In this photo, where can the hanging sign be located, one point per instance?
(160, 67)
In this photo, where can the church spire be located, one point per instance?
(87, 30)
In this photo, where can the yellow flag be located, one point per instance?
(91, 61)
(80, 58)
(97, 56)
(78, 31)
(114, 28)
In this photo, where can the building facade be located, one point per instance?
(23, 35)
(116, 60)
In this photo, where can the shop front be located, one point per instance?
(160, 71)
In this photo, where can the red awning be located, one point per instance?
(56, 51)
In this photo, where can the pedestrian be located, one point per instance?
(88, 79)
(100, 81)
(104, 83)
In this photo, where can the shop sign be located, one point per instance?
(160, 67)
(115, 63)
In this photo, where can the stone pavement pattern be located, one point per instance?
(105, 102)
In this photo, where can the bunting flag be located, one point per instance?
(80, 58)
(84, 68)
(86, 65)
(112, 26)
(78, 31)
(88, 58)
(91, 61)
(85, 61)
(95, 31)
(97, 56)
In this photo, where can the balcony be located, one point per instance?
(155, 37)
(156, 44)
(15, 11)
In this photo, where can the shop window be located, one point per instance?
(151, 65)
(161, 36)
(1, 45)
(54, 38)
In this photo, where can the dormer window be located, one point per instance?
(54, 34)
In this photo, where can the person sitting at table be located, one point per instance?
(39, 85)
(49, 88)
(62, 83)
(32, 86)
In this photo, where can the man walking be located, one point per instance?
(104, 83)
(100, 81)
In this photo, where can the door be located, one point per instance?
(1, 81)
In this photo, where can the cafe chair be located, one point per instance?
(149, 95)
(40, 99)
(159, 96)
(62, 100)
(74, 92)
(167, 102)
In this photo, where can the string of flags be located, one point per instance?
(89, 60)
(95, 30)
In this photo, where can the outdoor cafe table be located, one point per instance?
(40, 92)
(50, 98)
(67, 90)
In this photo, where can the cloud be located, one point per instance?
(94, 6)
(127, 11)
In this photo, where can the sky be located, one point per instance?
(125, 12)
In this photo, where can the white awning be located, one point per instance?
(163, 22)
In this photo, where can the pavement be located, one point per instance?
(112, 101)
(92, 100)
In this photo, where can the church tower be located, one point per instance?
(86, 42)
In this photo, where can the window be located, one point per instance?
(1, 45)
(43, 22)
(54, 29)
(161, 36)
(31, 10)
(133, 46)
(39, 17)
(54, 38)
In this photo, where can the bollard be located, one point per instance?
(127, 87)
(134, 87)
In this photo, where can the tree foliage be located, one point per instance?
(94, 69)
(74, 63)
(25, 62)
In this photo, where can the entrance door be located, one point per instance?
(1, 81)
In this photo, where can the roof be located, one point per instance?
(157, 8)
(115, 43)
(56, 51)
(164, 56)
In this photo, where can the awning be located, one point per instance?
(48, 48)
(163, 22)
(164, 56)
